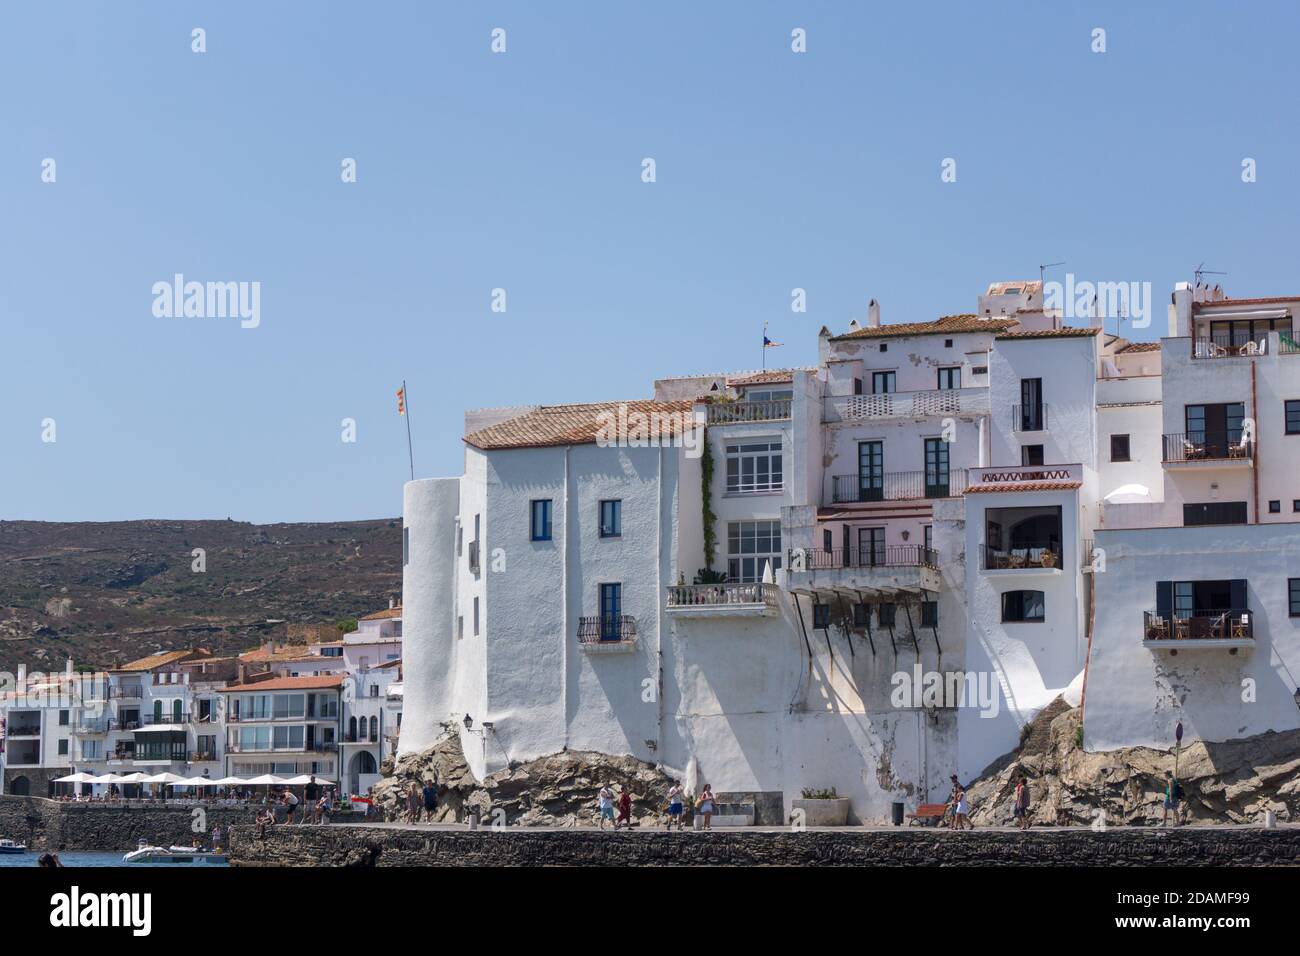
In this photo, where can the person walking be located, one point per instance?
(290, 805)
(961, 812)
(675, 806)
(1022, 803)
(624, 809)
(311, 794)
(413, 803)
(430, 794)
(605, 802)
(1173, 797)
(706, 805)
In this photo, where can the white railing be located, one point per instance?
(721, 595)
(931, 403)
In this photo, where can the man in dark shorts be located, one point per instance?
(430, 794)
(290, 805)
(311, 793)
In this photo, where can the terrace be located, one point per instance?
(730, 599)
(729, 413)
(872, 567)
(897, 485)
(928, 403)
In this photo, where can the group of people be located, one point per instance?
(317, 804)
(706, 805)
(421, 800)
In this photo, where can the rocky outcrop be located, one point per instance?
(1234, 781)
(557, 790)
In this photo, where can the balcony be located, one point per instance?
(730, 413)
(908, 568)
(722, 600)
(1024, 478)
(1029, 418)
(1231, 628)
(1036, 556)
(23, 730)
(922, 404)
(203, 756)
(1208, 450)
(1228, 345)
(607, 633)
(91, 726)
(897, 486)
(127, 692)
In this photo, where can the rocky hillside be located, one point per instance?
(106, 593)
(1230, 782)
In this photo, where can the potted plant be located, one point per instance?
(822, 807)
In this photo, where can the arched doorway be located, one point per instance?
(361, 767)
(20, 787)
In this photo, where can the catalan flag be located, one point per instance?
(401, 400)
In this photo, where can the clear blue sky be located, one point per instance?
(522, 171)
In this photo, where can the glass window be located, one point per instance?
(1293, 594)
(750, 546)
(860, 613)
(1293, 417)
(950, 377)
(885, 614)
(769, 395)
(611, 519)
(929, 613)
(1023, 606)
(1119, 448)
(1031, 454)
(541, 520)
(883, 383)
(754, 467)
(936, 468)
(821, 615)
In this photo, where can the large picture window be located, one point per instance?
(750, 546)
(754, 467)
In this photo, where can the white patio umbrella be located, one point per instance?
(266, 780)
(77, 777)
(107, 778)
(303, 779)
(136, 777)
(170, 778)
(232, 782)
(199, 782)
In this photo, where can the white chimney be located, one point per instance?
(1183, 295)
(853, 325)
(873, 314)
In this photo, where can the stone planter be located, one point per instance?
(823, 813)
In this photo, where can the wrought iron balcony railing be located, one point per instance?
(897, 485)
(1207, 446)
(1215, 624)
(606, 628)
(891, 556)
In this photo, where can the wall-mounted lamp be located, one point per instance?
(468, 721)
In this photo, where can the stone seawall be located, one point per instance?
(362, 846)
(44, 824)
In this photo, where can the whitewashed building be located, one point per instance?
(752, 602)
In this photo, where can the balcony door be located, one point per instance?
(1215, 427)
(936, 468)
(611, 611)
(871, 471)
(884, 383)
(1031, 404)
(871, 547)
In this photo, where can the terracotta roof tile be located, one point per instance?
(1271, 300)
(329, 682)
(161, 660)
(1070, 332)
(1024, 486)
(944, 325)
(552, 425)
(774, 376)
(1139, 347)
(385, 614)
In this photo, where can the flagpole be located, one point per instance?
(406, 400)
(764, 346)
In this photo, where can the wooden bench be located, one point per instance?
(929, 814)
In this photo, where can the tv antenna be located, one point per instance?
(1042, 270)
(1202, 271)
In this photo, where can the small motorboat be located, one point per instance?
(12, 848)
(181, 855)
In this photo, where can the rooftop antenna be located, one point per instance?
(1202, 271)
(1042, 269)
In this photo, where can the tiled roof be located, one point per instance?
(1271, 300)
(1139, 347)
(161, 660)
(774, 376)
(385, 614)
(552, 425)
(1069, 332)
(329, 682)
(262, 655)
(1024, 486)
(1028, 285)
(944, 325)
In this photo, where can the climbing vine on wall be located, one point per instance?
(706, 503)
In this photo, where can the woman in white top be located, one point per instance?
(706, 806)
